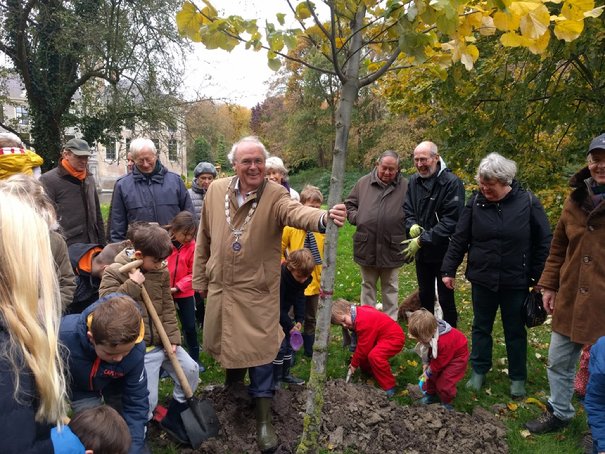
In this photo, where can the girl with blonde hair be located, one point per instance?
(32, 383)
(29, 190)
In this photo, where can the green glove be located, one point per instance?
(413, 247)
(415, 230)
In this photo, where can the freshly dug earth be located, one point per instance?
(356, 417)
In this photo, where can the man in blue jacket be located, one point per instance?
(150, 193)
(106, 354)
(594, 401)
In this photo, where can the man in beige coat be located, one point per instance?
(237, 269)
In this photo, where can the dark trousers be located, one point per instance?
(261, 381)
(186, 310)
(426, 273)
(200, 309)
(311, 303)
(485, 307)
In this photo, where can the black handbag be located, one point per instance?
(534, 313)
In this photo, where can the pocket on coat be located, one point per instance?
(361, 249)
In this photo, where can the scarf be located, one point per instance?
(73, 172)
(311, 244)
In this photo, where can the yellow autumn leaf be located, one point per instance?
(302, 11)
(572, 12)
(487, 26)
(339, 42)
(584, 5)
(568, 30)
(535, 23)
(512, 406)
(506, 22)
(523, 8)
(412, 363)
(511, 39)
(469, 56)
(539, 47)
(525, 433)
(594, 12)
(187, 20)
(533, 400)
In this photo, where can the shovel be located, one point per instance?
(199, 419)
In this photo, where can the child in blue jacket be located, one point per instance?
(106, 351)
(594, 402)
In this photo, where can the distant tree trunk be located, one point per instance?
(349, 92)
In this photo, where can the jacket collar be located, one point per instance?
(157, 176)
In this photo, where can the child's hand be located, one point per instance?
(174, 346)
(297, 327)
(136, 276)
(174, 290)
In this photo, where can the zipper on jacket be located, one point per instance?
(93, 372)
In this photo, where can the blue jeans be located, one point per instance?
(485, 308)
(563, 357)
(186, 310)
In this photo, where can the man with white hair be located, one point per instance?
(236, 268)
(433, 203)
(150, 193)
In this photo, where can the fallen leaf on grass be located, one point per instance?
(512, 406)
(412, 363)
(403, 393)
(525, 433)
(538, 355)
(533, 400)
(488, 391)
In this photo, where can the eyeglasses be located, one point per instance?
(248, 162)
(594, 164)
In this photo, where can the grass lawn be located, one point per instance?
(407, 367)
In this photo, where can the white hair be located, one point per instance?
(8, 139)
(496, 167)
(139, 143)
(251, 139)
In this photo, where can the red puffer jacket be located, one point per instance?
(180, 266)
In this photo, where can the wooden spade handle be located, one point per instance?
(161, 331)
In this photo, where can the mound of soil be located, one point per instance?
(356, 417)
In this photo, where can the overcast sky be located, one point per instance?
(240, 76)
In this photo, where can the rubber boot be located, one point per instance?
(287, 378)
(265, 434)
(235, 376)
(308, 341)
(517, 389)
(476, 381)
(172, 422)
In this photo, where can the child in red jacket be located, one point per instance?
(444, 353)
(379, 338)
(180, 265)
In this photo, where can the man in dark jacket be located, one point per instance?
(150, 193)
(107, 351)
(432, 206)
(375, 207)
(73, 191)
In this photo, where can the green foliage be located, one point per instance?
(201, 151)
(407, 366)
(86, 47)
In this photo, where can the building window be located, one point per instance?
(22, 115)
(172, 150)
(110, 151)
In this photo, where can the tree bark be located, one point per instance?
(349, 92)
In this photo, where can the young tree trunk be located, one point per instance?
(350, 88)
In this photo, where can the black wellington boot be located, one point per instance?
(265, 434)
(172, 422)
(308, 341)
